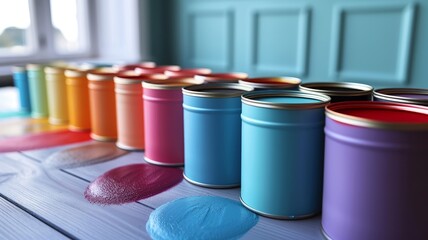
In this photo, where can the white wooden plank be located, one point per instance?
(17, 224)
(58, 198)
(41, 154)
(266, 228)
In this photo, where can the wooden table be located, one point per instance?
(36, 203)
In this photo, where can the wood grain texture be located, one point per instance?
(16, 224)
(58, 198)
(266, 228)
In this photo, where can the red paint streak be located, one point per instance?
(42, 140)
(131, 183)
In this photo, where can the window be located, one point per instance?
(43, 30)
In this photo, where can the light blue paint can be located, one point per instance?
(282, 153)
(20, 80)
(38, 92)
(212, 134)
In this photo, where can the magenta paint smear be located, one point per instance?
(200, 217)
(88, 154)
(131, 183)
(42, 140)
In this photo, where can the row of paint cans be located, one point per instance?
(375, 171)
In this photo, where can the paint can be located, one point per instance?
(189, 72)
(340, 91)
(157, 69)
(232, 77)
(212, 134)
(102, 102)
(57, 95)
(282, 153)
(375, 172)
(163, 120)
(78, 100)
(266, 83)
(402, 95)
(20, 81)
(129, 108)
(38, 94)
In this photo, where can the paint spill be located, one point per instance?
(42, 140)
(21, 126)
(88, 154)
(132, 183)
(200, 217)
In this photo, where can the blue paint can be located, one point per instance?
(282, 153)
(20, 80)
(212, 134)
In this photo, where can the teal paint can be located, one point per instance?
(282, 153)
(38, 93)
(212, 134)
(20, 81)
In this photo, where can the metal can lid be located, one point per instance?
(101, 74)
(157, 69)
(75, 73)
(189, 72)
(285, 99)
(133, 66)
(233, 77)
(216, 90)
(54, 70)
(382, 115)
(175, 83)
(337, 88)
(34, 66)
(403, 95)
(19, 69)
(132, 77)
(271, 82)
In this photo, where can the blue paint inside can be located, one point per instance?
(200, 217)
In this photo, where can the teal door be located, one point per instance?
(382, 43)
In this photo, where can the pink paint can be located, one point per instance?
(163, 119)
(129, 108)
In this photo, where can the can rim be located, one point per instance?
(331, 112)
(271, 82)
(34, 66)
(388, 94)
(101, 74)
(222, 77)
(137, 78)
(74, 73)
(157, 69)
(176, 83)
(250, 99)
(195, 91)
(19, 68)
(132, 66)
(187, 72)
(358, 89)
(54, 70)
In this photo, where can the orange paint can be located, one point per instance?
(102, 102)
(78, 100)
(130, 109)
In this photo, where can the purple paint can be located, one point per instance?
(375, 171)
(402, 95)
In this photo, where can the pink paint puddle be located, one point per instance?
(42, 140)
(132, 183)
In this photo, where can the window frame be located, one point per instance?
(42, 46)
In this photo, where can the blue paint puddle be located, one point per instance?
(200, 217)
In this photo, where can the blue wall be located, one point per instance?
(382, 43)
